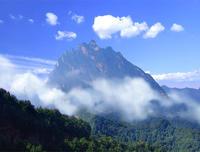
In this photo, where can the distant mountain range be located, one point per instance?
(87, 62)
(190, 93)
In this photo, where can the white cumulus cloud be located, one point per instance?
(107, 25)
(61, 35)
(154, 30)
(134, 30)
(51, 19)
(177, 28)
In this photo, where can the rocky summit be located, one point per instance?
(79, 66)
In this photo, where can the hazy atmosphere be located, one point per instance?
(99, 76)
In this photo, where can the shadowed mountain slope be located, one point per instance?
(79, 66)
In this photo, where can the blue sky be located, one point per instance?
(25, 31)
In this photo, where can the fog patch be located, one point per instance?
(132, 98)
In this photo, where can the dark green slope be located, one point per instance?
(24, 128)
(21, 124)
(174, 135)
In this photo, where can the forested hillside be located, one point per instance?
(172, 135)
(24, 128)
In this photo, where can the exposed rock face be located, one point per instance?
(87, 62)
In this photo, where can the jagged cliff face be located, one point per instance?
(78, 67)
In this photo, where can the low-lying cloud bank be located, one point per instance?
(132, 98)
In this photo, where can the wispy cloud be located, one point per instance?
(179, 79)
(21, 17)
(78, 18)
(16, 17)
(1, 21)
(179, 76)
(34, 65)
(39, 60)
(12, 17)
(61, 35)
(31, 20)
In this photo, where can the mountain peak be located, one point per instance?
(89, 62)
(89, 47)
(93, 43)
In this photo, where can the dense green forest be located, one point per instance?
(174, 135)
(25, 128)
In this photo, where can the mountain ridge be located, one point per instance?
(187, 92)
(88, 61)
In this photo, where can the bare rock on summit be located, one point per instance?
(87, 62)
